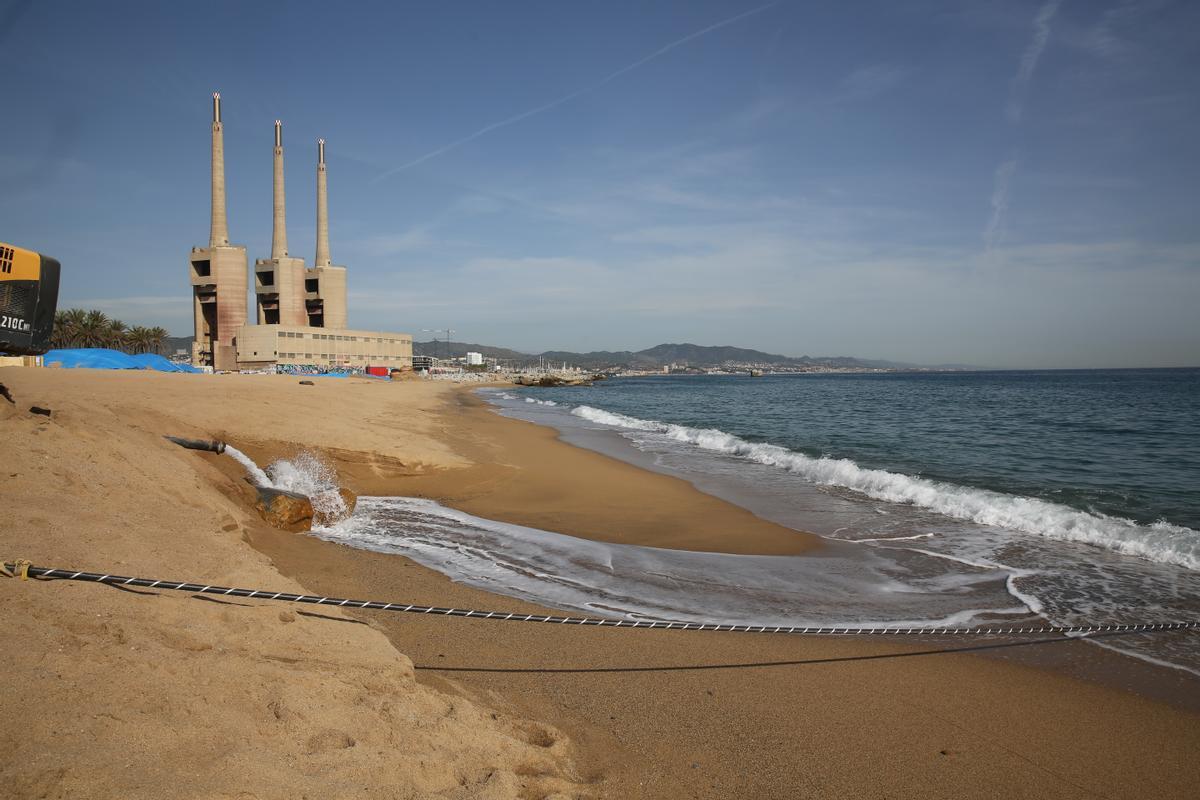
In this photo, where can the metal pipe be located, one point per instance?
(213, 446)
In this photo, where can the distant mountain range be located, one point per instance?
(652, 358)
(657, 357)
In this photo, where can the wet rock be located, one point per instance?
(286, 510)
(349, 498)
(328, 513)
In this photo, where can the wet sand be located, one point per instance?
(521, 473)
(550, 711)
(675, 714)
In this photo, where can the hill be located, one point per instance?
(693, 355)
(652, 358)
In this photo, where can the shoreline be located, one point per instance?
(523, 473)
(1070, 667)
(1121, 669)
(608, 712)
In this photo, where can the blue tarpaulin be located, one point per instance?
(101, 358)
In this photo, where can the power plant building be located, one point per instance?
(261, 346)
(301, 311)
(279, 280)
(218, 273)
(325, 283)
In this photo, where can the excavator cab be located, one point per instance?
(28, 300)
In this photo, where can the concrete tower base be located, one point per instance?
(325, 297)
(279, 291)
(218, 278)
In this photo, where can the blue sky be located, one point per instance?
(1007, 184)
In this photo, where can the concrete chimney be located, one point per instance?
(218, 235)
(322, 259)
(279, 229)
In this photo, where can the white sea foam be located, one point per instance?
(1161, 541)
(305, 474)
(540, 402)
(308, 475)
(863, 589)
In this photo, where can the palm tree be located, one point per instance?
(158, 338)
(94, 330)
(139, 339)
(60, 337)
(68, 327)
(114, 337)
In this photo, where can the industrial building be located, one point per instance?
(300, 311)
(262, 346)
(218, 273)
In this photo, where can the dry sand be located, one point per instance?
(114, 694)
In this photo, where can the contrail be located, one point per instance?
(1029, 59)
(994, 232)
(995, 227)
(578, 93)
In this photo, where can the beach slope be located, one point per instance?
(121, 693)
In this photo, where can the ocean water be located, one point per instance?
(945, 499)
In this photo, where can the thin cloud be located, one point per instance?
(1029, 59)
(994, 231)
(486, 129)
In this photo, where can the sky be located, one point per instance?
(1003, 184)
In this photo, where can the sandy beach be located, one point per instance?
(121, 693)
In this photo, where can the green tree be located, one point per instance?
(143, 340)
(114, 337)
(94, 330)
(158, 339)
(68, 327)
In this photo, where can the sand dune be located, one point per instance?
(116, 694)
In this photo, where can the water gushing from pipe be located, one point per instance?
(257, 476)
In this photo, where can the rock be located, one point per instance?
(349, 498)
(307, 383)
(286, 510)
(45, 412)
(327, 513)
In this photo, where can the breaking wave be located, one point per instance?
(1160, 542)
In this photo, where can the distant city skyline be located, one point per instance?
(997, 184)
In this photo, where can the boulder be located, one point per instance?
(286, 510)
(349, 498)
(326, 513)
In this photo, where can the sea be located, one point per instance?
(951, 499)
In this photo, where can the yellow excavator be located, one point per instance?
(28, 300)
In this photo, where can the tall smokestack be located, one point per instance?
(219, 231)
(322, 210)
(279, 229)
